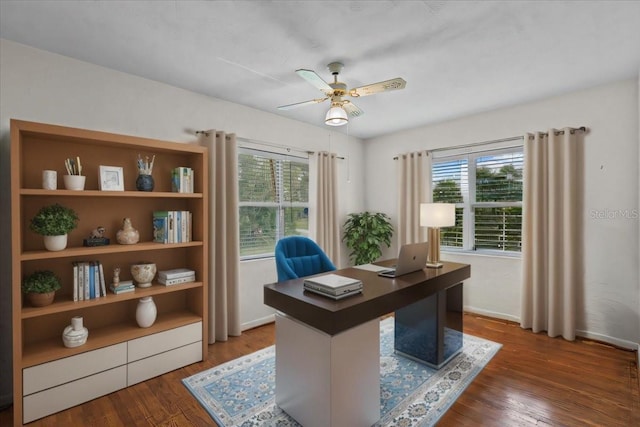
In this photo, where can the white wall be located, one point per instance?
(39, 86)
(608, 307)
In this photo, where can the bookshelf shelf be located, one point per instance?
(102, 250)
(117, 194)
(110, 319)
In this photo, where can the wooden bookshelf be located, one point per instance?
(111, 319)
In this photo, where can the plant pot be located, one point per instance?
(40, 299)
(74, 182)
(55, 243)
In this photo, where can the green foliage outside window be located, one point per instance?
(274, 198)
(495, 227)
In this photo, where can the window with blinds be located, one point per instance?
(273, 200)
(486, 187)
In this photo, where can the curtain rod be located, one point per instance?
(495, 141)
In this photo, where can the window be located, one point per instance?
(273, 198)
(487, 190)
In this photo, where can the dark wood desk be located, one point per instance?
(317, 336)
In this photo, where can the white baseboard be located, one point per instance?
(490, 313)
(258, 322)
(629, 345)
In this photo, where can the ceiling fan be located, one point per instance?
(341, 108)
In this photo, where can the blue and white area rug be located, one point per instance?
(242, 392)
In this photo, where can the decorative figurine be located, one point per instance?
(96, 237)
(116, 276)
(127, 235)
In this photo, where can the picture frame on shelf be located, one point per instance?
(111, 178)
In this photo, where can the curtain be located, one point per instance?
(413, 187)
(224, 249)
(552, 232)
(327, 227)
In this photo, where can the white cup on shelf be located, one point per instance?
(49, 180)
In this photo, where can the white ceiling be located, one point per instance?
(458, 58)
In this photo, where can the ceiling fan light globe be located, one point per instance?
(336, 116)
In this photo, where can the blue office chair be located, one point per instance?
(298, 256)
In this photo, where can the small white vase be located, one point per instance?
(146, 312)
(75, 334)
(55, 243)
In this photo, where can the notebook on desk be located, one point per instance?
(412, 257)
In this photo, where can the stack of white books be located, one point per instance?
(333, 286)
(176, 276)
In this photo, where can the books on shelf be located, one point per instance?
(177, 281)
(175, 273)
(176, 276)
(333, 285)
(124, 286)
(182, 180)
(88, 280)
(172, 226)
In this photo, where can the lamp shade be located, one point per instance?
(336, 116)
(437, 214)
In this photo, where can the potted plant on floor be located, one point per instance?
(365, 233)
(54, 222)
(40, 287)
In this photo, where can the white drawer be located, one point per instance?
(51, 374)
(56, 399)
(164, 362)
(164, 341)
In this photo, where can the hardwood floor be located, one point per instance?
(533, 380)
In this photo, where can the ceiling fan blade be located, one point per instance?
(387, 85)
(301, 104)
(315, 80)
(351, 109)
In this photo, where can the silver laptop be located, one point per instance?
(412, 257)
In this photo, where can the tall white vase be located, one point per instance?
(146, 312)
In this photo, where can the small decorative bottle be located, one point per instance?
(75, 334)
(127, 235)
(146, 312)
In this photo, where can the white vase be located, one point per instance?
(146, 312)
(55, 243)
(75, 334)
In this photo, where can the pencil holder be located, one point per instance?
(74, 182)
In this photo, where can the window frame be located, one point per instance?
(280, 205)
(469, 203)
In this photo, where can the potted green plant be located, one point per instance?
(54, 222)
(365, 233)
(40, 287)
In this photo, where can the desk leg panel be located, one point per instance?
(430, 330)
(324, 380)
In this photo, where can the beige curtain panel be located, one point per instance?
(224, 252)
(327, 227)
(413, 187)
(552, 262)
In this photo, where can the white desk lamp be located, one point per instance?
(434, 216)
